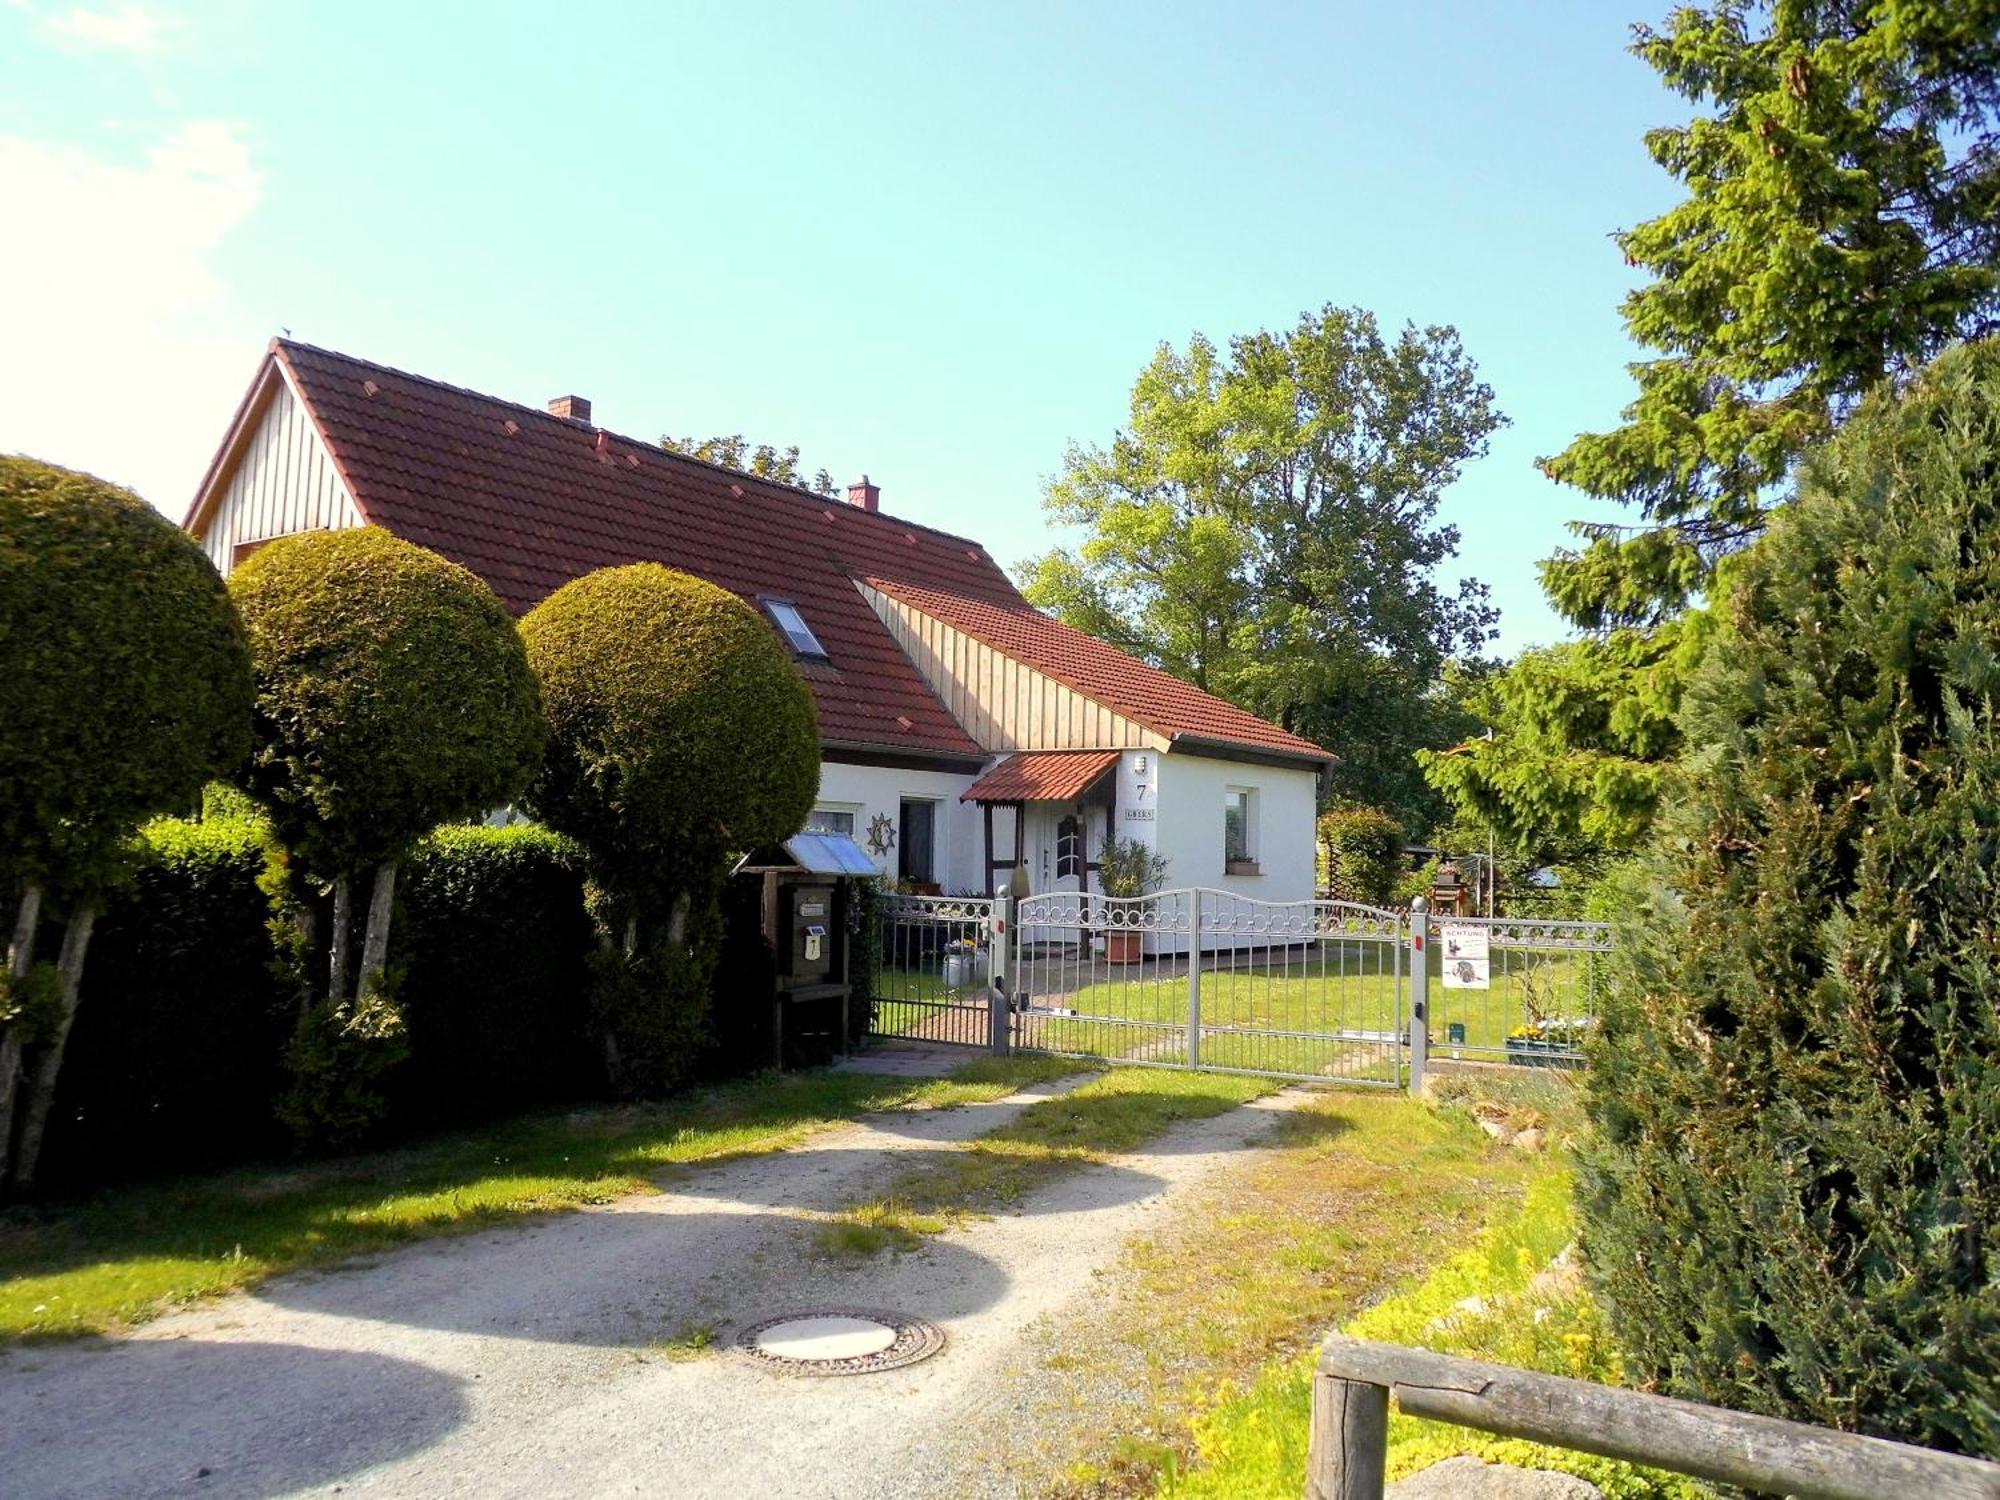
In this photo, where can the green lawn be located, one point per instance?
(126, 1254)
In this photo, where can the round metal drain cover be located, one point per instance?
(840, 1341)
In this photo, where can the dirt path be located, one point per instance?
(533, 1360)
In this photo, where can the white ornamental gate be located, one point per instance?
(1316, 990)
(1213, 980)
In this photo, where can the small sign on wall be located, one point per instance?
(1138, 815)
(1467, 959)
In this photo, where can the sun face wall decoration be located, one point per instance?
(881, 835)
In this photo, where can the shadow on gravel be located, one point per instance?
(826, 1180)
(155, 1417)
(635, 1279)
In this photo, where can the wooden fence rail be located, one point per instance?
(1350, 1430)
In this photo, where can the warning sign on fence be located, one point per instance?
(1463, 947)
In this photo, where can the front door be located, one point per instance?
(1056, 856)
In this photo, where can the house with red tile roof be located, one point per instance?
(964, 733)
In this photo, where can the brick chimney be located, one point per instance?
(863, 495)
(572, 408)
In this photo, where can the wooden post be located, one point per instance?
(1761, 1454)
(1349, 1450)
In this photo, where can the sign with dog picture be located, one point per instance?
(1466, 957)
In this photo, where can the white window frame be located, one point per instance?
(848, 810)
(1246, 862)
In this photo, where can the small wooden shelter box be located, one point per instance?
(807, 897)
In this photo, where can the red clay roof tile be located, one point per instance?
(529, 500)
(1042, 775)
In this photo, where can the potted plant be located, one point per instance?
(1127, 868)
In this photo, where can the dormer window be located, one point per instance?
(792, 625)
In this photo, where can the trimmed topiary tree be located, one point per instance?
(124, 685)
(1364, 853)
(679, 731)
(393, 695)
(1792, 1196)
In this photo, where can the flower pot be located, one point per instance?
(1124, 947)
(1533, 1052)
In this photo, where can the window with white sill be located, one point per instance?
(1239, 831)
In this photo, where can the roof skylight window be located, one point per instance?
(793, 626)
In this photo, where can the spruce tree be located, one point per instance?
(1792, 1195)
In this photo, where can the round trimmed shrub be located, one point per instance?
(393, 695)
(678, 731)
(678, 726)
(1365, 854)
(1791, 1198)
(124, 678)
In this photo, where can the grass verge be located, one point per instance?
(1510, 1298)
(119, 1256)
(1356, 1193)
(1117, 1112)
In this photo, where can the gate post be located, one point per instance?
(1194, 979)
(1420, 983)
(999, 973)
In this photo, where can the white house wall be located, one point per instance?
(1174, 805)
(283, 480)
(869, 791)
(1003, 704)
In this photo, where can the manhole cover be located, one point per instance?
(840, 1341)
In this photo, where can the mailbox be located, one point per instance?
(806, 933)
(807, 902)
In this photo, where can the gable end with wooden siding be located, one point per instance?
(1003, 703)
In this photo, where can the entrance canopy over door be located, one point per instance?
(1042, 776)
(1068, 778)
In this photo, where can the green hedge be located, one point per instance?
(175, 1061)
(492, 943)
(174, 1058)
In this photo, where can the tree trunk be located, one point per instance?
(375, 945)
(677, 915)
(21, 951)
(76, 941)
(343, 928)
(20, 958)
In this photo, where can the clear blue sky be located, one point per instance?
(934, 242)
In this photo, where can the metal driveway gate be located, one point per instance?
(1212, 980)
(1509, 989)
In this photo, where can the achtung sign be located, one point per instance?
(1463, 947)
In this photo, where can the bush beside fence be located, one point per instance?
(493, 949)
(174, 1059)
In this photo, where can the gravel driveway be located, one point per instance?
(533, 1360)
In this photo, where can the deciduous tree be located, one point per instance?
(393, 694)
(1266, 527)
(124, 686)
(765, 460)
